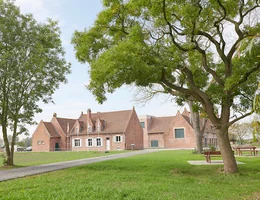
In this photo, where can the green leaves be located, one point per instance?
(32, 65)
(181, 45)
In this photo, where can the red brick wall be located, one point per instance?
(189, 140)
(53, 141)
(40, 134)
(59, 130)
(146, 119)
(134, 133)
(113, 144)
(158, 137)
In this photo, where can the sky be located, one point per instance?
(73, 98)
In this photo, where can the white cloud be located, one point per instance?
(41, 9)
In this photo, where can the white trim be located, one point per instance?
(92, 140)
(120, 138)
(73, 142)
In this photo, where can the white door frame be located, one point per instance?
(107, 143)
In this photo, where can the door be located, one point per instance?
(57, 146)
(108, 144)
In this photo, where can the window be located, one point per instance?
(99, 142)
(89, 129)
(117, 138)
(98, 128)
(179, 133)
(89, 142)
(142, 124)
(77, 143)
(40, 142)
(154, 143)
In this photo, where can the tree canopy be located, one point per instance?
(196, 50)
(32, 66)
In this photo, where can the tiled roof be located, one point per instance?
(113, 122)
(51, 129)
(63, 123)
(187, 118)
(160, 124)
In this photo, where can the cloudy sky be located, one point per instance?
(72, 98)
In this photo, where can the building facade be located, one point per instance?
(174, 131)
(118, 130)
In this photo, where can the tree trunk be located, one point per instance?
(230, 165)
(199, 147)
(195, 118)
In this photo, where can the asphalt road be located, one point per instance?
(33, 170)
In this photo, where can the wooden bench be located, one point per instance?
(253, 151)
(209, 154)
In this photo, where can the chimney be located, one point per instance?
(89, 113)
(54, 114)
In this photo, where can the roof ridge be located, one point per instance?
(109, 112)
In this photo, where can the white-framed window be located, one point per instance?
(77, 142)
(117, 138)
(99, 142)
(42, 142)
(179, 133)
(38, 142)
(89, 142)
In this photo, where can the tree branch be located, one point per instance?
(241, 117)
(246, 76)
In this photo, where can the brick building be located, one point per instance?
(173, 131)
(119, 130)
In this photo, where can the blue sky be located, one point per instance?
(72, 98)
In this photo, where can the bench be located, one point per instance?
(253, 151)
(209, 154)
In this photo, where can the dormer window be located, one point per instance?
(77, 129)
(98, 127)
(89, 129)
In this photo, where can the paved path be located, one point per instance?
(33, 170)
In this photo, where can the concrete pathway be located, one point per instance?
(213, 162)
(33, 170)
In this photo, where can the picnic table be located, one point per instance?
(239, 150)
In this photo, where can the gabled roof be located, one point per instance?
(63, 123)
(160, 124)
(51, 129)
(113, 122)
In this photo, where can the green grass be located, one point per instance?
(162, 175)
(22, 159)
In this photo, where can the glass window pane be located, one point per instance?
(179, 133)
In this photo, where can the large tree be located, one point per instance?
(32, 65)
(193, 49)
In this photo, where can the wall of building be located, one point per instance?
(41, 139)
(189, 140)
(158, 137)
(146, 120)
(62, 142)
(108, 140)
(134, 133)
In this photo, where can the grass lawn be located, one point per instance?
(164, 175)
(36, 158)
